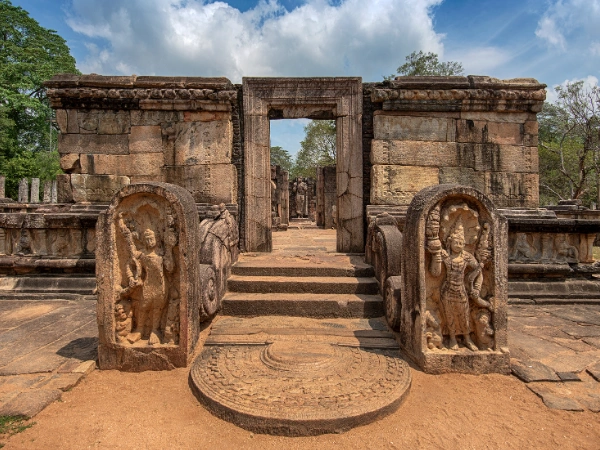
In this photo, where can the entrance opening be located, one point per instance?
(303, 185)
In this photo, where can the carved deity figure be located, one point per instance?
(565, 251)
(462, 275)
(523, 250)
(300, 189)
(148, 273)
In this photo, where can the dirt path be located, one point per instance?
(156, 410)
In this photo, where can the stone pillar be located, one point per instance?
(453, 315)
(24, 191)
(35, 190)
(2, 186)
(54, 194)
(162, 331)
(47, 191)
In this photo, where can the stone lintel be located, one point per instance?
(93, 80)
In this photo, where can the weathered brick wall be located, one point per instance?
(476, 131)
(121, 130)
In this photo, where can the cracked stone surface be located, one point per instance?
(46, 347)
(552, 351)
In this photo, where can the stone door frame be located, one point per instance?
(295, 98)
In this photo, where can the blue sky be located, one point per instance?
(550, 40)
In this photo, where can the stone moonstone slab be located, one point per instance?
(303, 381)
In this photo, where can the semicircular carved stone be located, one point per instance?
(454, 282)
(148, 286)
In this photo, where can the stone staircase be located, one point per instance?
(333, 285)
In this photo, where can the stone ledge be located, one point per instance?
(93, 80)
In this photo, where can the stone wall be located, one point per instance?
(121, 130)
(475, 131)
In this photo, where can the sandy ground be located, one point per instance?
(157, 410)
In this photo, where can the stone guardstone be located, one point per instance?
(148, 285)
(454, 282)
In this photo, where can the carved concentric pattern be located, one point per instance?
(299, 388)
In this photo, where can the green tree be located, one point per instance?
(427, 64)
(317, 148)
(569, 145)
(281, 157)
(29, 55)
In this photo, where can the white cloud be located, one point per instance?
(588, 82)
(481, 60)
(568, 24)
(195, 37)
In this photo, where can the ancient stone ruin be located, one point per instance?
(434, 201)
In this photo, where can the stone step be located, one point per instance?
(299, 270)
(312, 285)
(47, 285)
(302, 305)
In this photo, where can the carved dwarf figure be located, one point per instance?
(565, 251)
(523, 250)
(123, 321)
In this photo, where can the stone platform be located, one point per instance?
(300, 376)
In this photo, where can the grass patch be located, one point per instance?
(10, 425)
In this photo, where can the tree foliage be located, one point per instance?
(29, 55)
(569, 145)
(427, 64)
(281, 157)
(317, 148)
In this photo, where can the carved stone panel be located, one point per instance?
(148, 285)
(454, 290)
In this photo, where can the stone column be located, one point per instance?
(35, 190)
(285, 199)
(47, 191)
(54, 193)
(2, 185)
(24, 191)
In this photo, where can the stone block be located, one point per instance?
(454, 289)
(397, 185)
(146, 139)
(72, 121)
(64, 192)
(162, 331)
(203, 142)
(128, 165)
(149, 118)
(94, 143)
(61, 120)
(413, 128)
(462, 175)
(497, 157)
(29, 403)
(114, 122)
(206, 116)
(96, 188)
(414, 153)
(482, 132)
(212, 184)
(530, 136)
(69, 163)
(87, 121)
(489, 116)
(512, 189)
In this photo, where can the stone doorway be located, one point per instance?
(295, 98)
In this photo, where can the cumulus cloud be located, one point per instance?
(212, 38)
(588, 82)
(570, 24)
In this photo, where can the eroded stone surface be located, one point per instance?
(299, 376)
(148, 283)
(454, 285)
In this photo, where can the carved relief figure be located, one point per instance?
(460, 272)
(123, 321)
(147, 285)
(565, 251)
(300, 189)
(523, 251)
